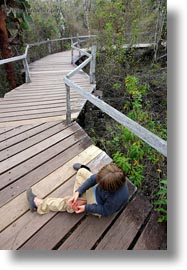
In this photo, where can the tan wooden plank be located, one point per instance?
(35, 98)
(11, 123)
(124, 230)
(36, 101)
(31, 151)
(4, 130)
(37, 105)
(61, 109)
(33, 116)
(38, 94)
(18, 206)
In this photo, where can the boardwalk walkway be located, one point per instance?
(44, 99)
(38, 149)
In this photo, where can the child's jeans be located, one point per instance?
(61, 204)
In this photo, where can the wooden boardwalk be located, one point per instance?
(44, 99)
(38, 149)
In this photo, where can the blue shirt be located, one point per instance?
(107, 202)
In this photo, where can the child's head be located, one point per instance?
(111, 177)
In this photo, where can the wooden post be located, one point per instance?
(78, 44)
(71, 51)
(26, 68)
(92, 64)
(68, 106)
(49, 45)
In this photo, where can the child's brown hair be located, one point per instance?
(111, 177)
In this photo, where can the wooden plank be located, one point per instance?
(4, 130)
(91, 229)
(126, 227)
(65, 222)
(18, 206)
(60, 109)
(36, 101)
(76, 102)
(37, 120)
(13, 131)
(28, 142)
(153, 236)
(39, 147)
(21, 141)
(28, 164)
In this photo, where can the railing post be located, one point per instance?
(71, 51)
(78, 44)
(49, 45)
(92, 64)
(68, 106)
(26, 68)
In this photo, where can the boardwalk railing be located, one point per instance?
(18, 58)
(153, 140)
(24, 57)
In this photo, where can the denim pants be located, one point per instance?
(61, 204)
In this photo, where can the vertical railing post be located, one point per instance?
(78, 44)
(68, 106)
(72, 51)
(93, 64)
(26, 68)
(49, 45)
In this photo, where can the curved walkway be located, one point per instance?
(44, 99)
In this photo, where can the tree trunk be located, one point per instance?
(6, 50)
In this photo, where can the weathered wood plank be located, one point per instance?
(153, 236)
(26, 139)
(13, 131)
(126, 227)
(41, 119)
(39, 147)
(4, 130)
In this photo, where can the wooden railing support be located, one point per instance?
(78, 44)
(49, 45)
(26, 68)
(92, 64)
(72, 51)
(68, 105)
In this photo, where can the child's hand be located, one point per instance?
(80, 209)
(78, 203)
(73, 199)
